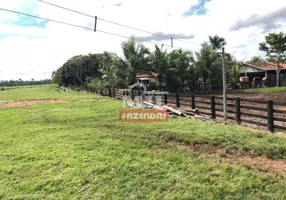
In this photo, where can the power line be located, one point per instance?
(51, 20)
(116, 23)
(87, 28)
(74, 25)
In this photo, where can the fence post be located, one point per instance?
(114, 94)
(132, 95)
(166, 99)
(213, 107)
(193, 102)
(270, 116)
(237, 110)
(177, 100)
(109, 92)
(154, 99)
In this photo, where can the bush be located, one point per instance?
(120, 83)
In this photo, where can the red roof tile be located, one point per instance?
(266, 66)
(146, 75)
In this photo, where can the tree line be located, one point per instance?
(21, 82)
(172, 69)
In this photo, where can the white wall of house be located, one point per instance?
(247, 69)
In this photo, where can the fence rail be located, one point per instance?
(260, 112)
(269, 114)
(263, 113)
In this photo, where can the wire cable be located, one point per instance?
(51, 20)
(74, 25)
(116, 23)
(88, 28)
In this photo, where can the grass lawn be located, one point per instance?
(43, 92)
(265, 89)
(80, 150)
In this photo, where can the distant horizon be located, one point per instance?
(26, 79)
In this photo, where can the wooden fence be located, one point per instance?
(268, 114)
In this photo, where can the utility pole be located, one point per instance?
(224, 87)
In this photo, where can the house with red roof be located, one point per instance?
(267, 70)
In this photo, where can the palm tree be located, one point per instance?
(234, 74)
(208, 64)
(217, 42)
(108, 69)
(183, 62)
(159, 63)
(135, 59)
(180, 64)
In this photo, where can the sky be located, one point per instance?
(33, 48)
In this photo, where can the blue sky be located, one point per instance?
(198, 9)
(25, 21)
(118, 4)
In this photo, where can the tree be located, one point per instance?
(135, 59)
(234, 74)
(95, 84)
(208, 60)
(108, 69)
(159, 63)
(256, 59)
(181, 63)
(275, 48)
(21, 82)
(208, 64)
(77, 70)
(217, 42)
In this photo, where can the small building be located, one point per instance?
(147, 79)
(262, 70)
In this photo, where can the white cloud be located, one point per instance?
(47, 49)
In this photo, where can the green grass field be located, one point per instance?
(80, 150)
(43, 92)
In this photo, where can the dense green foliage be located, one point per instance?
(256, 59)
(171, 69)
(234, 74)
(275, 47)
(77, 71)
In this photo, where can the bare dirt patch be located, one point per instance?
(275, 96)
(32, 102)
(261, 163)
